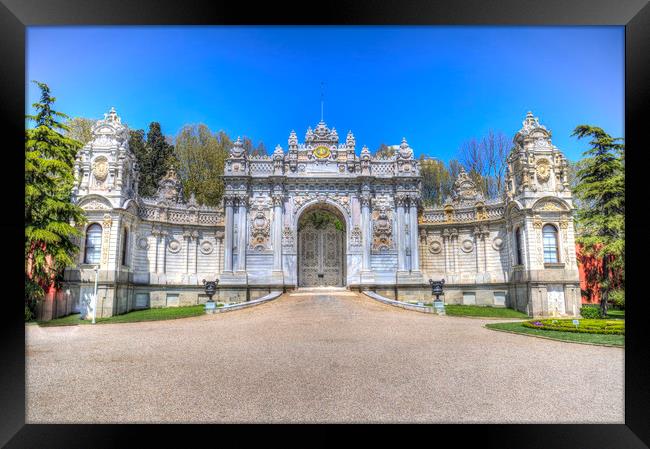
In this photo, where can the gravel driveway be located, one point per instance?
(312, 357)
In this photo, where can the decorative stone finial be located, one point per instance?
(293, 138)
(192, 200)
(238, 149)
(112, 116)
(465, 189)
(405, 152)
(278, 153)
(170, 187)
(530, 123)
(349, 140)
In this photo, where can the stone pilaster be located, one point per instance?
(366, 239)
(228, 237)
(242, 232)
(277, 232)
(400, 234)
(414, 237)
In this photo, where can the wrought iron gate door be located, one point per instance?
(320, 260)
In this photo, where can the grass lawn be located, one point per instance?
(615, 314)
(167, 313)
(483, 311)
(615, 340)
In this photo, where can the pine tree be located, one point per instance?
(50, 214)
(601, 190)
(155, 156)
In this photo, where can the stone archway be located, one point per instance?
(321, 247)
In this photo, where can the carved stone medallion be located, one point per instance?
(467, 246)
(174, 246)
(543, 170)
(435, 247)
(206, 247)
(100, 168)
(143, 243)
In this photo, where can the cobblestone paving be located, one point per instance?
(316, 357)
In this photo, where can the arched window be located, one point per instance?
(93, 244)
(519, 251)
(550, 244)
(125, 247)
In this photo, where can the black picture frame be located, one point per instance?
(15, 15)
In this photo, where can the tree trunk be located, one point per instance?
(604, 293)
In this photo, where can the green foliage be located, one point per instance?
(469, 310)
(201, 155)
(155, 314)
(33, 294)
(587, 326)
(50, 214)
(590, 312)
(600, 190)
(586, 338)
(385, 151)
(319, 219)
(155, 156)
(617, 297)
(80, 129)
(437, 180)
(259, 150)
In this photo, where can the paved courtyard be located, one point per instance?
(316, 357)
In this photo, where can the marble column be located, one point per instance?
(486, 235)
(242, 233)
(156, 234)
(277, 232)
(445, 244)
(477, 238)
(187, 235)
(228, 229)
(414, 235)
(400, 235)
(366, 235)
(195, 236)
(164, 250)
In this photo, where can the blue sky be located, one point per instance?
(436, 86)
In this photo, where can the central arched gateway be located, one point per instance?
(321, 247)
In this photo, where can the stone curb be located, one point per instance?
(403, 305)
(555, 339)
(242, 305)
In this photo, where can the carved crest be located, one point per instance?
(100, 169)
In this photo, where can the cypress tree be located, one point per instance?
(600, 220)
(50, 214)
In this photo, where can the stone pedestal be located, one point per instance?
(439, 307)
(210, 307)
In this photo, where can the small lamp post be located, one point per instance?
(210, 289)
(436, 289)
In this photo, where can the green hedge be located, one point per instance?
(587, 326)
(617, 297)
(590, 312)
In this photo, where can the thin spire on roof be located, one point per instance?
(322, 96)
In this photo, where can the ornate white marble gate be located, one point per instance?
(321, 256)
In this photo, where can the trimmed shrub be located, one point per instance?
(617, 297)
(587, 326)
(590, 312)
